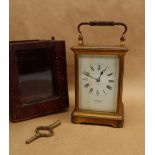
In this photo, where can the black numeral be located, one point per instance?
(97, 92)
(86, 85)
(104, 92)
(86, 73)
(92, 68)
(109, 87)
(98, 67)
(111, 81)
(91, 90)
(110, 74)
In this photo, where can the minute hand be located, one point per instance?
(90, 76)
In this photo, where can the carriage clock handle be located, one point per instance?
(102, 23)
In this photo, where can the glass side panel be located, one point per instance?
(35, 75)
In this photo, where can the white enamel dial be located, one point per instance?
(98, 82)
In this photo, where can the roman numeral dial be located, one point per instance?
(98, 80)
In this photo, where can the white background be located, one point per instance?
(4, 77)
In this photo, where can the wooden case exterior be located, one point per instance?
(20, 112)
(115, 119)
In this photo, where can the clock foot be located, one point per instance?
(118, 124)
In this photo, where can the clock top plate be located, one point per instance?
(107, 48)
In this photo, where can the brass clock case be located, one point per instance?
(103, 117)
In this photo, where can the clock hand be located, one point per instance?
(85, 73)
(98, 79)
(100, 74)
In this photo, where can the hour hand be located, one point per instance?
(101, 73)
(98, 79)
(88, 74)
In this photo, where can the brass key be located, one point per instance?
(40, 134)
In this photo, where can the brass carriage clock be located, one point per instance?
(99, 80)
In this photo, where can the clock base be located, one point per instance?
(108, 119)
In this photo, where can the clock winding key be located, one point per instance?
(39, 134)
